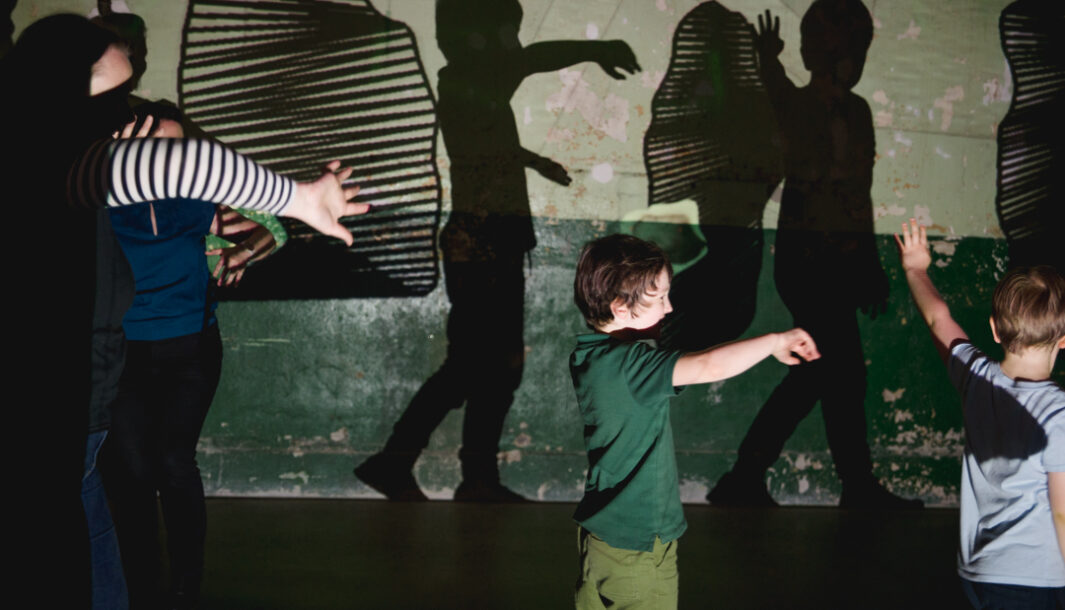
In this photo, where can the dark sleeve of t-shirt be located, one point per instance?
(649, 373)
(962, 364)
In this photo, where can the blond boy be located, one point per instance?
(1013, 474)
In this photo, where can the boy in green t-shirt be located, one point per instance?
(631, 516)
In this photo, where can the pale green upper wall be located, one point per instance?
(936, 80)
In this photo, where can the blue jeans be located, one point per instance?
(108, 583)
(992, 596)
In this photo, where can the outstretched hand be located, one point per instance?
(795, 342)
(234, 260)
(615, 55)
(323, 202)
(767, 37)
(913, 247)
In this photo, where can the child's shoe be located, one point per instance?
(740, 491)
(871, 495)
(391, 477)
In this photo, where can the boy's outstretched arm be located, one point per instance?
(1056, 492)
(613, 56)
(731, 359)
(913, 252)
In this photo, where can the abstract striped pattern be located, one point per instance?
(124, 172)
(294, 83)
(1031, 148)
(713, 60)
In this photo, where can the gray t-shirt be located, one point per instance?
(1014, 436)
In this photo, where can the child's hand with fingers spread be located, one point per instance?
(913, 247)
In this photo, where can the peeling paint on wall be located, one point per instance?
(603, 173)
(892, 396)
(999, 90)
(946, 105)
(609, 115)
(911, 33)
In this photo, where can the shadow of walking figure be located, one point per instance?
(712, 140)
(826, 260)
(484, 242)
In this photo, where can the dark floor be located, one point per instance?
(375, 554)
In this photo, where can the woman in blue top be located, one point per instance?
(173, 364)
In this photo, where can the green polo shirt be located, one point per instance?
(623, 390)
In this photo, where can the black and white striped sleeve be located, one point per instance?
(124, 172)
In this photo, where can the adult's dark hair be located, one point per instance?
(54, 57)
(615, 267)
(46, 78)
(132, 30)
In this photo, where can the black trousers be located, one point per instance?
(166, 389)
(483, 368)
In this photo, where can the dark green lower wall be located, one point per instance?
(311, 388)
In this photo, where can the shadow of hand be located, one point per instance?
(615, 55)
(767, 37)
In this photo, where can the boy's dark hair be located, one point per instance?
(1028, 307)
(615, 267)
(833, 30)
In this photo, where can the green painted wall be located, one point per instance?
(312, 387)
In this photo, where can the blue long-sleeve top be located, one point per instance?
(174, 292)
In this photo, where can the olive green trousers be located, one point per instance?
(621, 579)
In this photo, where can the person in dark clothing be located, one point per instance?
(65, 84)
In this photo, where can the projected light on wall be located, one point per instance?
(1031, 137)
(295, 83)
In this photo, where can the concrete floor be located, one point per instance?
(371, 554)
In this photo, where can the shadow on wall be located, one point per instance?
(711, 141)
(486, 242)
(826, 262)
(1031, 137)
(283, 82)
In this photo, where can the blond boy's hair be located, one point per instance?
(1028, 307)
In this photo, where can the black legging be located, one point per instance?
(166, 389)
